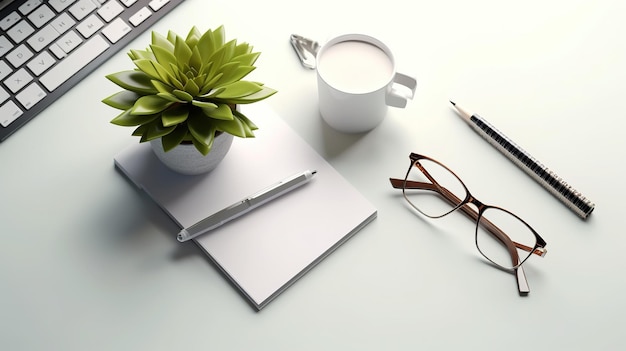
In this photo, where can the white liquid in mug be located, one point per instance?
(355, 67)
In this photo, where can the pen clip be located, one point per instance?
(306, 50)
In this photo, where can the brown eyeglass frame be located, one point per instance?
(463, 205)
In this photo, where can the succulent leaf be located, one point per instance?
(199, 81)
(183, 95)
(147, 66)
(122, 100)
(212, 93)
(181, 51)
(206, 45)
(191, 88)
(204, 105)
(161, 87)
(206, 69)
(242, 49)
(222, 112)
(211, 41)
(171, 37)
(235, 74)
(157, 130)
(264, 93)
(202, 148)
(163, 56)
(238, 89)
(141, 55)
(195, 61)
(149, 104)
(193, 36)
(223, 54)
(174, 115)
(245, 120)
(139, 131)
(170, 97)
(126, 119)
(247, 59)
(177, 77)
(199, 129)
(206, 88)
(234, 127)
(246, 128)
(132, 80)
(174, 138)
(161, 41)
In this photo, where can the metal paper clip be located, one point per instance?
(306, 50)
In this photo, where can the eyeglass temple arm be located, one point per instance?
(467, 210)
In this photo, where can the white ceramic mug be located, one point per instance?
(357, 80)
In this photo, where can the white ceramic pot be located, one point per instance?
(185, 159)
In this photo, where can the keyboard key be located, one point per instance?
(30, 96)
(19, 55)
(41, 63)
(156, 5)
(20, 31)
(69, 41)
(8, 21)
(41, 16)
(5, 70)
(18, 80)
(110, 10)
(63, 23)
(43, 38)
(57, 51)
(9, 112)
(5, 45)
(116, 30)
(74, 62)
(60, 5)
(89, 26)
(4, 96)
(128, 3)
(139, 16)
(82, 8)
(29, 6)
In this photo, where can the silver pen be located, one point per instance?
(246, 205)
(572, 198)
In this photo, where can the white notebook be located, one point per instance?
(269, 248)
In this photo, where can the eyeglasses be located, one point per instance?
(501, 237)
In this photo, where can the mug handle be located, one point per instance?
(398, 97)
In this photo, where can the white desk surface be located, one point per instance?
(87, 262)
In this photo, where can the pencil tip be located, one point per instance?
(452, 102)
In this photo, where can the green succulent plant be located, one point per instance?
(185, 90)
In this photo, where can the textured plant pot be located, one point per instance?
(185, 159)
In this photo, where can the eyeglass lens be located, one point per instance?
(435, 191)
(503, 238)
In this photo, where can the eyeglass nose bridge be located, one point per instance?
(480, 206)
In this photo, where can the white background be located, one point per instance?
(88, 262)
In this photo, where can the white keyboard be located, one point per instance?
(46, 47)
